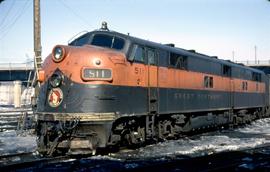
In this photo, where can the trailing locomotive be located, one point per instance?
(109, 89)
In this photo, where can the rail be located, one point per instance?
(31, 161)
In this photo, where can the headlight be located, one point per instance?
(58, 53)
(55, 80)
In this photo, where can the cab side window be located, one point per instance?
(151, 56)
(138, 53)
(143, 54)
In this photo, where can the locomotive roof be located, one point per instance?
(132, 39)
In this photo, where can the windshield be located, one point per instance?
(84, 39)
(108, 41)
(101, 40)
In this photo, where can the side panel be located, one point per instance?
(242, 100)
(181, 100)
(81, 98)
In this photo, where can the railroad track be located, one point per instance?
(229, 161)
(12, 162)
(239, 160)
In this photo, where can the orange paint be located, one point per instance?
(125, 73)
(41, 76)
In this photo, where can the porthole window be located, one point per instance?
(208, 82)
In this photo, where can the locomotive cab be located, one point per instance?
(85, 87)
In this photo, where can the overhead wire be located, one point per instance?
(8, 11)
(6, 28)
(75, 13)
(16, 18)
(17, 15)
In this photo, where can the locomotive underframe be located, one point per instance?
(79, 133)
(85, 133)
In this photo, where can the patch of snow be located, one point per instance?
(11, 143)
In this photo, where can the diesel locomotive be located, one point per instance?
(107, 89)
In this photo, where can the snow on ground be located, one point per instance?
(250, 136)
(13, 142)
(258, 127)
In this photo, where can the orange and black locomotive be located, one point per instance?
(110, 89)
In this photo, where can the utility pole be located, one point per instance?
(37, 50)
(233, 55)
(37, 36)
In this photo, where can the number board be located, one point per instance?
(97, 74)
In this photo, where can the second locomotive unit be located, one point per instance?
(110, 89)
